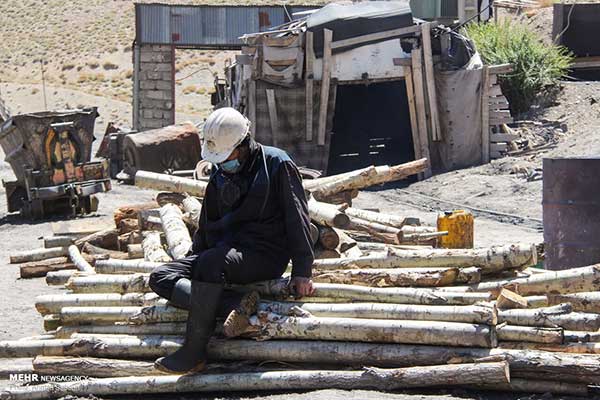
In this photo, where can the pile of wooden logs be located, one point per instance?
(385, 314)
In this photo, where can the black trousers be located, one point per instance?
(220, 264)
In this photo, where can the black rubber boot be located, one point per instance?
(230, 300)
(191, 357)
(241, 306)
(180, 296)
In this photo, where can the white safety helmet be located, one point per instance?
(223, 131)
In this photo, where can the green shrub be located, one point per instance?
(537, 65)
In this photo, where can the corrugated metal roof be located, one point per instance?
(205, 26)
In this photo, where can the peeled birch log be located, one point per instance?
(533, 386)
(36, 269)
(79, 261)
(112, 266)
(372, 330)
(326, 253)
(385, 174)
(94, 367)
(53, 303)
(108, 283)
(125, 330)
(508, 299)
(410, 229)
(380, 218)
(515, 333)
(531, 364)
(39, 254)
(400, 277)
(345, 241)
(555, 316)
(352, 252)
(58, 241)
(585, 301)
(328, 238)
(153, 248)
(344, 197)
(127, 225)
(476, 314)
(279, 289)
(135, 251)
(15, 366)
(581, 336)
(55, 278)
(580, 348)
(99, 315)
(96, 251)
(582, 279)
(106, 238)
(352, 180)
(537, 301)
(489, 260)
(385, 233)
(368, 378)
(170, 183)
(176, 232)
(131, 211)
(327, 214)
(192, 208)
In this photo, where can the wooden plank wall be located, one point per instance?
(499, 114)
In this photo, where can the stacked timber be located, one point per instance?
(386, 313)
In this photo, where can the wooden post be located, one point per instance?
(310, 55)
(252, 105)
(485, 115)
(273, 116)
(430, 78)
(414, 123)
(417, 75)
(325, 80)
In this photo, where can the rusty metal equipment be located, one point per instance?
(50, 154)
(571, 207)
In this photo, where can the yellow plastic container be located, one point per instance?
(459, 224)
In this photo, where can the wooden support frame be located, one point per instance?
(325, 81)
(252, 105)
(375, 36)
(421, 107)
(485, 115)
(430, 80)
(310, 56)
(414, 124)
(273, 116)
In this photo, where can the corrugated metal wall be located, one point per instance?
(205, 26)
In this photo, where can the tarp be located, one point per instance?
(357, 19)
(459, 106)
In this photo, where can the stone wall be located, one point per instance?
(154, 87)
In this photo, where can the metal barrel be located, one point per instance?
(571, 207)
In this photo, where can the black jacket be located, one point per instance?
(271, 215)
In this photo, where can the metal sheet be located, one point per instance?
(205, 26)
(571, 207)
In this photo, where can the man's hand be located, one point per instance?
(300, 286)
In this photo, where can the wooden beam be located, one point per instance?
(252, 105)
(430, 79)
(414, 124)
(417, 75)
(485, 117)
(310, 56)
(586, 62)
(500, 69)
(375, 36)
(273, 116)
(325, 80)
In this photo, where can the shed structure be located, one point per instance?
(352, 85)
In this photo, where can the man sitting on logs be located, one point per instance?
(254, 219)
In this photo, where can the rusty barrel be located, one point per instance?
(571, 207)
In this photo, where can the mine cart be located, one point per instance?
(50, 154)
